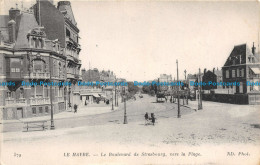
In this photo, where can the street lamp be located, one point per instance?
(178, 91)
(112, 100)
(52, 121)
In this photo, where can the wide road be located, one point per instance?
(135, 112)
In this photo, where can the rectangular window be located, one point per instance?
(34, 110)
(39, 91)
(17, 69)
(46, 109)
(40, 109)
(12, 69)
(227, 73)
(241, 87)
(9, 94)
(238, 73)
(233, 73)
(242, 73)
(21, 93)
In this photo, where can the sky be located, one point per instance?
(141, 40)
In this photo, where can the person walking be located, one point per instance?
(146, 117)
(75, 108)
(153, 118)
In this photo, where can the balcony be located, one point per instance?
(39, 101)
(73, 76)
(15, 102)
(40, 75)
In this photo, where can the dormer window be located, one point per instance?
(234, 61)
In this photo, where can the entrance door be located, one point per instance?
(19, 113)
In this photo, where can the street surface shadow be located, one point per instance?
(255, 125)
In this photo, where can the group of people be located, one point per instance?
(75, 107)
(152, 118)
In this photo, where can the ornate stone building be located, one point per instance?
(38, 45)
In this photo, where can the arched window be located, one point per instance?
(38, 66)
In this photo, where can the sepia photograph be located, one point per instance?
(129, 82)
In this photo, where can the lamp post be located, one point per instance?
(178, 91)
(52, 121)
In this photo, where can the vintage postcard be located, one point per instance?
(129, 82)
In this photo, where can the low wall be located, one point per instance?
(227, 98)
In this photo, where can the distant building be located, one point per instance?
(165, 78)
(90, 94)
(91, 75)
(214, 76)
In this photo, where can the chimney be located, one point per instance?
(214, 70)
(205, 70)
(63, 3)
(253, 49)
(13, 13)
(11, 31)
(51, 1)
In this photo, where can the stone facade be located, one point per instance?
(31, 50)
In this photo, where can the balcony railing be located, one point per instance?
(11, 101)
(73, 75)
(40, 75)
(39, 101)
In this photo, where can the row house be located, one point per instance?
(32, 51)
(90, 94)
(60, 24)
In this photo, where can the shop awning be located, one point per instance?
(95, 95)
(256, 70)
(102, 95)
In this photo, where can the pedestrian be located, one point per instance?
(146, 117)
(75, 108)
(86, 103)
(153, 118)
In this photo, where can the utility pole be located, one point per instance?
(199, 94)
(186, 84)
(112, 101)
(115, 95)
(178, 91)
(125, 117)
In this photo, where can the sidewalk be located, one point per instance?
(82, 111)
(238, 109)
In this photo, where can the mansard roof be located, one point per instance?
(65, 8)
(26, 24)
(239, 50)
(4, 19)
